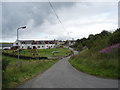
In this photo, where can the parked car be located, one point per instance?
(55, 51)
(6, 48)
(14, 47)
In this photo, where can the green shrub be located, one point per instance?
(99, 64)
(115, 37)
(14, 75)
(5, 63)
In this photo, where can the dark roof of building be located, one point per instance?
(6, 45)
(44, 42)
(26, 40)
(52, 42)
(38, 42)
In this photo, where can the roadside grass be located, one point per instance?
(14, 75)
(0, 70)
(26, 52)
(48, 52)
(102, 65)
(42, 52)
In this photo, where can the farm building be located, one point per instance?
(32, 44)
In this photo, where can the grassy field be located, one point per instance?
(48, 52)
(14, 75)
(42, 52)
(102, 65)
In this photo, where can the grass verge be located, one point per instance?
(48, 52)
(14, 75)
(41, 52)
(102, 65)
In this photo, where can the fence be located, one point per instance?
(23, 57)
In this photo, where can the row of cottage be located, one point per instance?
(32, 44)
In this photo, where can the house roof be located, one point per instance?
(6, 45)
(38, 42)
(44, 42)
(26, 40)
(52, 42)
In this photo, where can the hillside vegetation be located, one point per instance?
(40, 52)
(16, 72)
(99, 54)
(14, 75)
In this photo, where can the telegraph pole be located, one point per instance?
(18, 44)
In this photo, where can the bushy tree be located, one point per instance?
(98, 41)
(115, 37)
(105, 33)
(5, 63)
(91, 36)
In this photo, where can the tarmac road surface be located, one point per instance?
(63, 75)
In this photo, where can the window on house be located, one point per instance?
(28, 47)
(42, 46)
(16, 43)
(34, 47)
(38, 46)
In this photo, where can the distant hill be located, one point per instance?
(6, 42)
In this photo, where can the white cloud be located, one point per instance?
(86, 18)
(80, 20)
(60, 0)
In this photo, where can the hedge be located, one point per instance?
(23, 57)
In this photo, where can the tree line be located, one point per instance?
(98, 41)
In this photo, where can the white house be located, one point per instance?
(27, 44)
(60, 42)
(71, 42)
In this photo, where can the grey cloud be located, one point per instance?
(0, 20)
(15, 14)
(119, 14)
(42, 23)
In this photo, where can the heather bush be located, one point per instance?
(101, 57)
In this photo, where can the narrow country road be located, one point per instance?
(63, 75)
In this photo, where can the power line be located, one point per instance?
(56, 15)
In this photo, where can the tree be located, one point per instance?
(5, 63)
(91, 36)
(115, 37)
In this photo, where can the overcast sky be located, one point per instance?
(79, 19)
